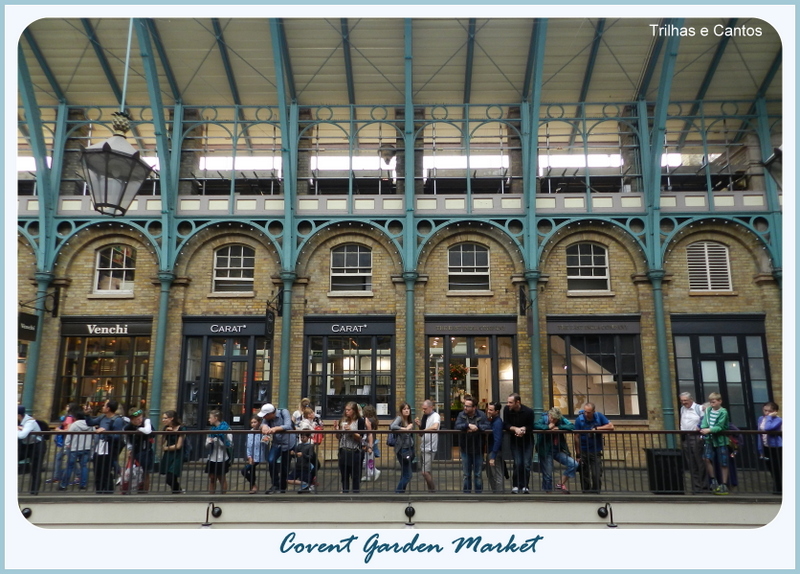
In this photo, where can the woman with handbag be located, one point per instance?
(350, 447)
(172, 450)
(403, 444)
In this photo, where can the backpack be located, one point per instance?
(44, 427)
(391, 439)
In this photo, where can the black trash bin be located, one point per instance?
(665, 470)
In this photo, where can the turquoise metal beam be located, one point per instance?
(762, 89)
(165, 64)
(289, 143)
(348, 64)
(587, 75)
(48, 73)
(410, 274)
(706, 83)
(166, 247)
(470, 58)
(653, 193)
(101, 57)
(530, 62)
(530, 149)
(44, 276)
(773, 201)
(226, 62)
(650, 67)
(287, 61)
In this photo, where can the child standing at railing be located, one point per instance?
(255, 453)
(305, 465)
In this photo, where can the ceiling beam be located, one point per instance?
(162, 55)
(529, 65)
(587, 75)
(101, 56)
(226, 63)
(59, 93)
(348, 64)
(706, 83)
(650, 67)
(286, 61)
(470, 58)
(762, 89)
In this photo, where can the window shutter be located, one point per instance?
(709, 267)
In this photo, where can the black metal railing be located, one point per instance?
(630, 462)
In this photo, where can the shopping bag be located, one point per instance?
(131, 476)
(369, 466)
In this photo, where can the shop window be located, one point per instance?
(351, 268)
(234, 269)
(709, 266)
(96, 369)
(587, 267)
(602, 369)
(468, 267)
(115, 269)
(350, 368)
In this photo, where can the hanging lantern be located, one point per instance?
(113, 170)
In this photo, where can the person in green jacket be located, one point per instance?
(554, 446)
(713, 428)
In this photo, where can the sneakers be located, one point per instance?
(526, 491)
(562, 488)
(515, 490)
(721, 490)
(51, 481)
(714, 485)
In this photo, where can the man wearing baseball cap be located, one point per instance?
(278, 423)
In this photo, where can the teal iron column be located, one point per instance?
(773, 201)
(48, 199)
(289, 145)
(530, 170)
(410, 274)
(43, 281)
(169, 189)
(652, 157)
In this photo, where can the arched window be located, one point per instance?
(709, 266)
(587, 267)
(468, 267)
(351, 268)
(234, 269)
(115, 269)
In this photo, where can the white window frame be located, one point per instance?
(454, 272)
(709, 266)
(349, 271)
(591, 265)
(112, 276)
(222, 272)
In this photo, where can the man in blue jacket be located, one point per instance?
(589, 446)
(106, 452)
(495, 466)
(473, 423)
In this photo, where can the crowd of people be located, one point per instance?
(288, 443)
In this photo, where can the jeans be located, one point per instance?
(546, 466)
(280, 476)
(58, 468)
(404, 457)
(591, 471)
(472, 465)
(82, 458)
(523, 457)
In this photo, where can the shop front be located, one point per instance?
(226, 366)
(103, 358)
(350, 358)
(470, 356)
